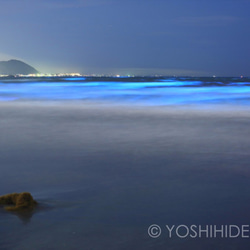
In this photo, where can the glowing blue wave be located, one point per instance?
(150, 91)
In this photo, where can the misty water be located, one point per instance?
(106, 159)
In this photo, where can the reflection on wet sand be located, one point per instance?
(103, 174)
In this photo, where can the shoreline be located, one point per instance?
(104, 173)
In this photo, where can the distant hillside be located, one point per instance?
(14, 67)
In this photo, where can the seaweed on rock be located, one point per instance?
(18, 201)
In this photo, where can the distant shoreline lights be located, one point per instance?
(45, 75)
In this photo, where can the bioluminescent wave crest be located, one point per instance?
(141, 90)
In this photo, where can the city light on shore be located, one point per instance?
(45, 75)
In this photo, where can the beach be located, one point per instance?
(103, 173)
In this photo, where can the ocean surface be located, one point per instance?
(106, 158)
(141, 90)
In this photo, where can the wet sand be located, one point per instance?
(102, 174)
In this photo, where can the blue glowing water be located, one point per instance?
(142, 90)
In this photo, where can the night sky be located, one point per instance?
(169, 37)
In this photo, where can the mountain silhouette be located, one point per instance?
(15, 67)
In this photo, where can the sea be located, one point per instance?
(117, 163)
(134, 90)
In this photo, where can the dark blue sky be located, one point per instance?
(182, 37)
